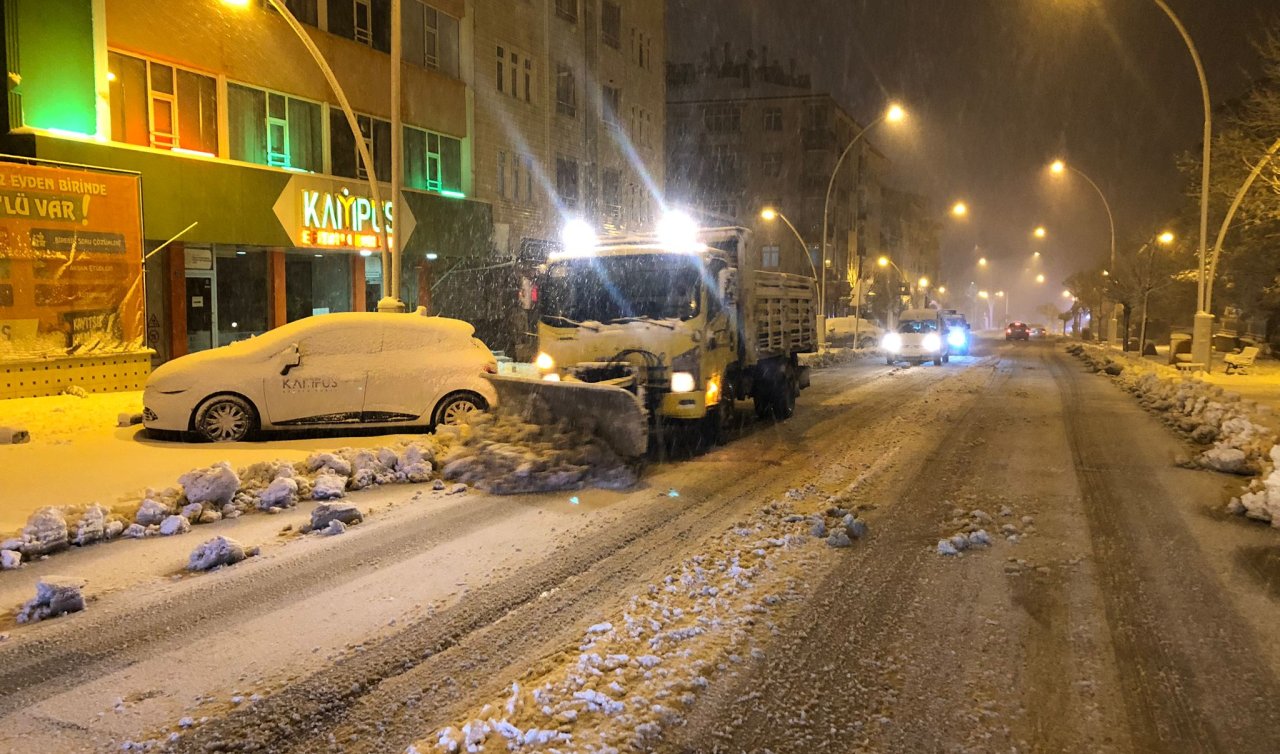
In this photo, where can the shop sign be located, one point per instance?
(329, 214)
(198, 258)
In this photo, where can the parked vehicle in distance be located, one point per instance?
(853, 332)
(1039, 331)
(1017, 331)
(918, 338)
(958, 335)
(364, 369)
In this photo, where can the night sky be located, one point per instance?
(998, 88)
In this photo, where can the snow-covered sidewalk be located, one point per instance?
(78, 455)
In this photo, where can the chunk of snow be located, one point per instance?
(945, 547)
(329, 462)
(839, 539)
(45, 532)
(216, 552)
(191, 511)
(10, 559)
(979, 538)
(92, 526)
(335, 527)
(282, 492)
(324, 513)
(1226, 460)
(13, 436)
(217, 484)
(600, 628)
(152, 512)
(134, 531)
(175, 525)
(328, 486)
(55, 595)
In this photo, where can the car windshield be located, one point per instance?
(617, 289)
(918, 326)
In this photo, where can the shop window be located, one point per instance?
(566, 91)
(269, 128)
(242, 294)
(344, 156)
(316, 284)
(159, 105)
(432, 162)
(611, 24)
(367, 22)
(430, 37)
(567, 182)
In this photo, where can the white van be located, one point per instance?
(917, 338)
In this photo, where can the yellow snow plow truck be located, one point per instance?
(665, 332)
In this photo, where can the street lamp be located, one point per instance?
(893, 114)
(982, 261)
(770, 214)
(1164, 239)
(390, 255)
(1040, 278)
(960, 209)
(1058, 167)
(1040, 232)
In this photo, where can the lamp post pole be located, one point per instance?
(397, 160)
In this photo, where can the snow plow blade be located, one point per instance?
(610, 413)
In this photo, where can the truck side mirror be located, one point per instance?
(290, 358)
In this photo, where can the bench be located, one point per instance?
(1189, 366)
(1239, 363)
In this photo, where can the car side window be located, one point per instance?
(339, 341)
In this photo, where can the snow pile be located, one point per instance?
(55, 595)
(1261, 499)
(344, 513)
(216, 485)
(215, 553)
(636, 674)
(829, 357)
(45, 532)
(504, 454)
(1238, 431)
(970, 530)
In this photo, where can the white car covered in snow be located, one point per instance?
(329, 371)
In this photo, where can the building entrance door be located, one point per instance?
(202, 311)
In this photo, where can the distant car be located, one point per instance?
(358, 369)
(1039, 331)
(1017, 331)
(918, 338)
(959, 337)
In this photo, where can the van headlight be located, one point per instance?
(544, 362)
(891, 342)
(931, 342)
(955, 338)
(683, 382)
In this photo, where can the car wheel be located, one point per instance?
(867, 343)
(946, 359)
(225, 418)
(455, 408)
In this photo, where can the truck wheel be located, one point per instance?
(783, 400)
(763, 408)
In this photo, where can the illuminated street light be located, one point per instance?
(942, 290)
(883, 261)
(960, 209)
(770, 214)
(1040, 232)
(923, 282)
(982, 262)
(984, 295)
(1165, 238)
(1039, 278)
(893, 114)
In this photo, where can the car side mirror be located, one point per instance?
(290, 358)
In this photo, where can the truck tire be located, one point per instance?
(784, 400)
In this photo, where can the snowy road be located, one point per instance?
(1127, 618)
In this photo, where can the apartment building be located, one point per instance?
(569, 111)
(745, 132)
(248, 169)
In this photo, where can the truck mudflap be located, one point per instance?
(611, 413)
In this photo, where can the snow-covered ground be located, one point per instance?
(78, 455)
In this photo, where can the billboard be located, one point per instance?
(70, 262)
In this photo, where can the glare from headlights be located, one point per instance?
(955, 338)
(932, 342)
(892, 342)
(682, 382)
(544, 362)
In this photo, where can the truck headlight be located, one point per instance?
(955, 338)
(892, 342)
(932, 342)
(683, 382)
(544, 362)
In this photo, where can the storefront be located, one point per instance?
(71, 288)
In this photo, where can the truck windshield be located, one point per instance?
(918, 326)
(618, 289)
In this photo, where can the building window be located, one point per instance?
(771, 164)
(430, 37)
(566, 91)
(770, 257)
(502, 175)
(725, 158)
(528, 180)
(611, 24)
(158, 105)
(567, 182)
(722, 119)
(817, 116)
(773, 119)
(611, 105)
(611, 195)
(513, 70)
(567, 9)
(344, 155)
(432, 162)
(269, 128)
(306, 11)
(367, 22)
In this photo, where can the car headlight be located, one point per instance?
(891, 342)
(544, 362)
(553, 377)
(955, 338)
(683, 382)
(932, 342)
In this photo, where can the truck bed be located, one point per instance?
(782, 319)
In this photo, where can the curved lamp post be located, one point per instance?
(1060, 168)
(390, 259)
(894, 114)
(769, 214)
(1226, 222)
